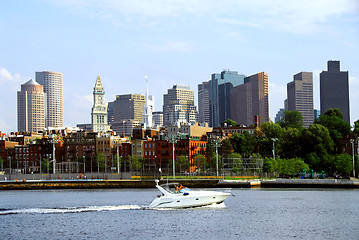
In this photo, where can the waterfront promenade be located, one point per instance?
(192, 183)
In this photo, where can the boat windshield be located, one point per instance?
(185, 189)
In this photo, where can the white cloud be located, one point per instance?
(10, 83)
(80, 110)
(302, 16)
(82, 101)
(13, 79)
(5, 75)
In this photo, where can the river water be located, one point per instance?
(122, 214)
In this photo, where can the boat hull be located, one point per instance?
(193, 199)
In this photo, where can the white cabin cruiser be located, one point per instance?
(185, 197)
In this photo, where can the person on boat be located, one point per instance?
(177, 188)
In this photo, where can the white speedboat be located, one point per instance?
(185, 197)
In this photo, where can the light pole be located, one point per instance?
(216, 145)
(173, 140)
(274, 140)
(118, 159)
(98, 165)
(216, 141)
(352, 142)
(10, 168)
(53, 141)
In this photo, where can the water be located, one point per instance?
(122, 214)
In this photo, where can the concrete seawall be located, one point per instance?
(195, 183)
(97, 184)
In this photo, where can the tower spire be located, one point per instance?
(147, 113)
(146, 91)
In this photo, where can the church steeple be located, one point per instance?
(147, 113)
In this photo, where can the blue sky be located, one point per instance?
(173, 42)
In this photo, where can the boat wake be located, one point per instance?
(68, 209)
(64, 210)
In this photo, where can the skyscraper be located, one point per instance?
(334, 90)
(300, 96)
(53, 87)
(316, 114)
(157, 119)
(203, 102)
(220, 87)
(99, 116)
(250, 99)
(127, 114)
(129, 106)
(31, 107)
(177, 105)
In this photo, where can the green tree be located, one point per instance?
(1, 163)
(265, 146)
(317, 147)
(100, 157)
(334, 113)
(225, 148)
(268, 165)
(213, 162)
(271, 130)
(201, 162)
(230, 122)
(293, 119)
(137, 163)
(183, 163)
(210, 148)
(284, 167)
(236, 160)
(343, 164)
(117, 161)
(45, 165)
(333, 120)
(243, 143)
(356, 127)
(289, 145)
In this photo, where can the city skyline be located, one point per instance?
(174, 44)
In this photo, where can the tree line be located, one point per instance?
(316, 148)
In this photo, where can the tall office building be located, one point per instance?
(129, 106)
(203, 102)
(250, 99)
(31, 107)
(334, 90)
(177, 105)
(157, 119)
(316, 114)
(279, 116)
(99, 116)
(127, 114)
(53, 87)
(300, 96)
(110, 110)
(220, 87)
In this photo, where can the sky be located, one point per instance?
(172, 42)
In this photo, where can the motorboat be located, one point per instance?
(175, 196)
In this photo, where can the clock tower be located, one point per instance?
(99, 110)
